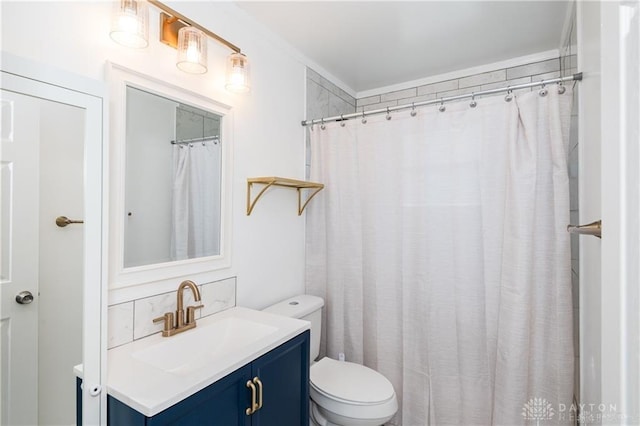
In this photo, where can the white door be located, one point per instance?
(51, 164)
(19, 322)
(42, 166)
(609, 56)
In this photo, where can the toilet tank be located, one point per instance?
(305, 307)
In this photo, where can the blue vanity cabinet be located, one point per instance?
(283, 372)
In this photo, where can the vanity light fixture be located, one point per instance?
(178, 31)
(192, 50)
(129, 24)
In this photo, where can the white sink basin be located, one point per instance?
(154, 373)
(191, 350)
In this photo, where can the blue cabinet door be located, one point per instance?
(284, 373)
(219, 404)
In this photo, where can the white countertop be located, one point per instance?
(151, 390)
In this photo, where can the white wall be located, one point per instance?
(268, 246)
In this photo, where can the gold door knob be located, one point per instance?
(63, 221)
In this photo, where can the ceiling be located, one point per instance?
(373, 44)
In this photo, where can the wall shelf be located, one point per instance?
(299, 185)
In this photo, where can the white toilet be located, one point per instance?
(342, 393)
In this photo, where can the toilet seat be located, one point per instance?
(350, 383)
(351, 390)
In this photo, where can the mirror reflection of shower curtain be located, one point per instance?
(196, 200)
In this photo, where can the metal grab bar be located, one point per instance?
(594, 228)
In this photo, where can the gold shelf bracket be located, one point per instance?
(268, 182)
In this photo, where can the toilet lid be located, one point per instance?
(350, 382)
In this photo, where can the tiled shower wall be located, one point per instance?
(325, 99)
(503, 77)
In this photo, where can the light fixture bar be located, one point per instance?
(170, 25)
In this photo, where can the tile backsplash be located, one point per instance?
(134, 319)
(503, 77)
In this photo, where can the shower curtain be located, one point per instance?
(196, 200)
(440, 247)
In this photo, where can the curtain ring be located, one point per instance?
(342, 123)
(388, 114)
(543, 91)
(364, 119)
(509, 96)
(442, 108)
(473, 102)
(322, 126)
(561, 88)
(413, 109)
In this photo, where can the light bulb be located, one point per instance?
(193, 53)
(237, 77)
(129, 24)
(237, 73)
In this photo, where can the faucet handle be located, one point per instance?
(191, 313)
(168, 322)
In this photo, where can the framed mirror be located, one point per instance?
(171, 180)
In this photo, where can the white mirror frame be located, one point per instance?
(197, 269)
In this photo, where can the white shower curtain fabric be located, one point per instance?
(440, 247)
(196, 200)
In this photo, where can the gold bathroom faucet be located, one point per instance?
(181, 323)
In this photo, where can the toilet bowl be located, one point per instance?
(342, 393)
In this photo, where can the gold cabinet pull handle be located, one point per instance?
(253, 408)
(258, 382)
(63, 221)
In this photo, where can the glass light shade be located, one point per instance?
(238, 73)
(130, 23)
(192, 50)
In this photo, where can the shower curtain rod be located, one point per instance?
(202, 139)
(574, 77)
